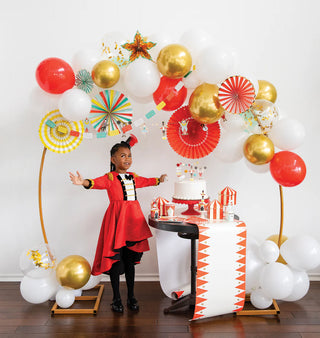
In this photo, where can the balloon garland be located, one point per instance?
(219, 96)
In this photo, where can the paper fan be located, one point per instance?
(189, 138)
(236, 94)
(109, 109)
(58, 134)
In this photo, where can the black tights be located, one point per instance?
(127, 256)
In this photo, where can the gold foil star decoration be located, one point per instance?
(139, 47)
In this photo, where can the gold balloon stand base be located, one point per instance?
(250, 310)
(56, 310)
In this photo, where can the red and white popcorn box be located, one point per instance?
(169, 209)
(226, 195)
(161, 202)
(215, 210)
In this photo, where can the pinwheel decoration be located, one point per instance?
(58, 134)
(236, 94)
(189, 138)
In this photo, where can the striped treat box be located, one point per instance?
(215, 210)
(226, 195)
(161, 202)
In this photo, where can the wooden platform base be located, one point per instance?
(249, 310)
(56, 310)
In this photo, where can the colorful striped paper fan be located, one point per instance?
(109, 110)
(60, 135)
(189, 138)
(236, 94)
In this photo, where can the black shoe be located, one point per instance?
(133, 304)
(117, 306)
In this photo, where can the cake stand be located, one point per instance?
(191, 203)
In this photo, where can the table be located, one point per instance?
(188, 231)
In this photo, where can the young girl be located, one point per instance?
(124, 232)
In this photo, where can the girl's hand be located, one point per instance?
(77, 180)
(163, 178)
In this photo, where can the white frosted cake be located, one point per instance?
(190, 189)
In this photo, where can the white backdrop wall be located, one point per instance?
(275, 40)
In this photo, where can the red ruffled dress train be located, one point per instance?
(124, 224)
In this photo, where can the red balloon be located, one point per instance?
(287, 168)
(55, 76)
(166, 92)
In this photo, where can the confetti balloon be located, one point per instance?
(261, 116)
(73, 272)
(174, 61)
(37, 262)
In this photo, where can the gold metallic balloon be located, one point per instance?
(73, 272)
(275, 238)
(105, 74)
(258, 149)
(204, 104)
(174, 61)
(267, 91)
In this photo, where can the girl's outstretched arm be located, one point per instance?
(78, 180)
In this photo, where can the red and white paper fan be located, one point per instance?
(189, 138)
(236, 94)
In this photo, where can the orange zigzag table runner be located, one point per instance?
(220, 269)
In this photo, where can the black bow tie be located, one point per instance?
(128, 177)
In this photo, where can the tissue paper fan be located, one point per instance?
(189, 138)
(109, 109)
(236, 94)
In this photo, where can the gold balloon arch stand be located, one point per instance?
(220, 98)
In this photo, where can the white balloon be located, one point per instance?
(276, 280)
(232, 122)
(92, 282)
(85, 59)
(41, 102)
(301, 284)
(259, 169)
(192, 80)
(38, 290)
(77, 292)
(287, 134)
(65, 298)
(215, 64)
(161, 40)
(260, 300)
(254, 266)
(195, 40)
(74, 104)
(142, 78)
(301, 252)
(269, 251)
(230, 146)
